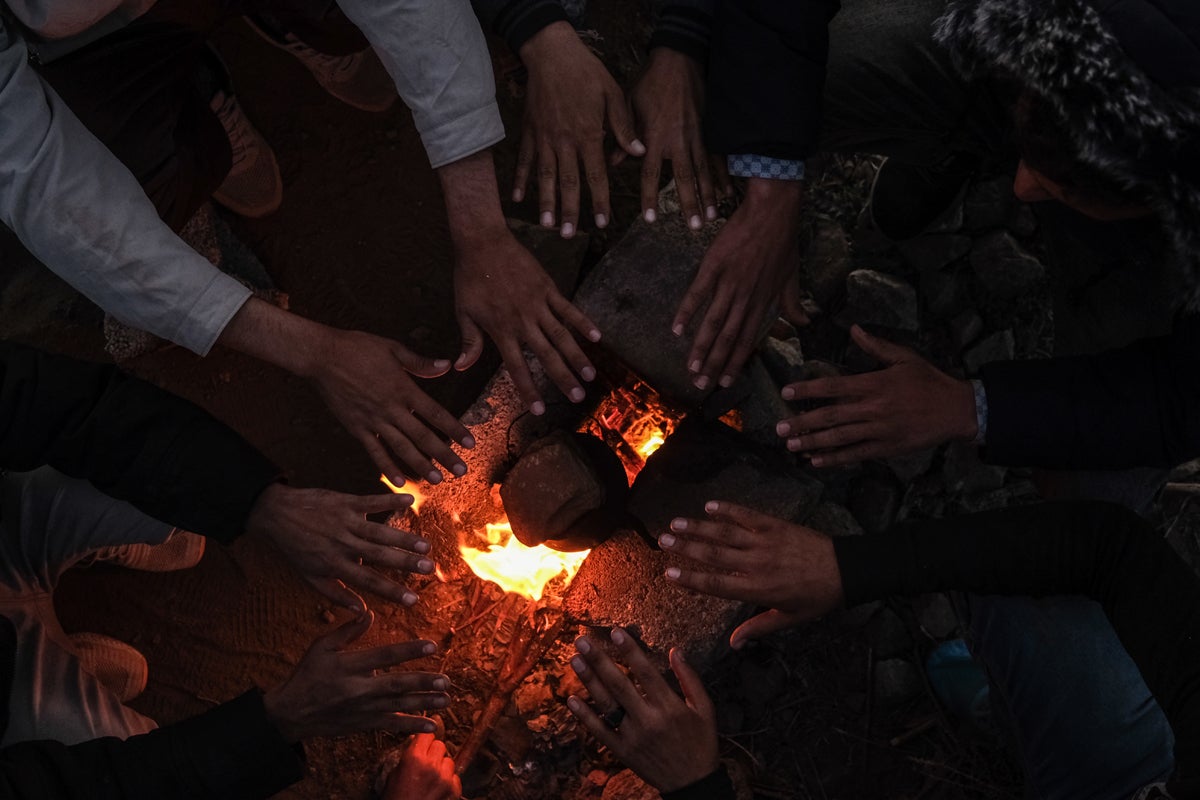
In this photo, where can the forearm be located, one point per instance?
(472, 201)
(278, 337)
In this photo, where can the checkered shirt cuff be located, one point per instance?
(749, 165)
(981, 411)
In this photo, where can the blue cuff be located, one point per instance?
(981, 411)
(748, 165)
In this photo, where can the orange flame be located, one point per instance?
(417, 495)
(516, 568)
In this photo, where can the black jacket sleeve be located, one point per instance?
(766, 75)
(232, 752)
(1134, 406)
(716, 786)
(686, 26)
(515, 21)
(132, 440)
(1099, 550)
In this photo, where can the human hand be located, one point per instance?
(425, 772)
(670, 742)
(741, 275)
(569, 100)
(668, 102)
(758, 559)
(365, 380)
(908, 405)
(502, 289)
(328, 540)
(336, 692)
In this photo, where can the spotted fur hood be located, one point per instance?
(1125, 74)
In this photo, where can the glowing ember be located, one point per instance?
(516, 568)
(648, 447)
(634, 423)
(417, 495)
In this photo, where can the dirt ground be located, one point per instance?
(360, 242)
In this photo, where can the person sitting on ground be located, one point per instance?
(103, 465)
(80, 211)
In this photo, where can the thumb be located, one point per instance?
(419, 365)
(620, 121)
(472, 343)
(879, 349)
(689, 681)
(761, 625)
(346, 634)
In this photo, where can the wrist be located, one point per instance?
(264, 510)
(965, 426)
(274, 707)
(472, 202)
(544, 46)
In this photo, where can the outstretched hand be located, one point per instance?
(759, 559)
(336, 692)
(669, 741)
(425, 772)
(907, 406)
(502, 289)
(330, 542)
(741, 276)
(570, 100)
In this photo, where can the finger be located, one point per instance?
(596, 726)
(864, 451)
(879, 349)
(597, 180)
(555, 367)
(389, 655)
(368, 580)
(563, 342)
(648, 676)
(601, 697)
(345, 634)
(693, 688)
(737, 327)
(436, 750)
(568, 191)
(651, 175)
(383, 534)
(746, 344)
(403, 724)
(446, 779)
(436, 415)
(547, 177)
(419, 745)
(409, 703)
(524, 166)
(724, 533)
(692, 300)
(380, 503)
(337, 592)
(840, 412)
(741, 516)
(518, 370)
(708, 194)
(430, 445)
(620, 122)
(841, 436)
(398, 442)
(602, 670)
(569, 313)
(383, 557)
(711, 583)
(827, 388)
(685, 185)
(716, 319)
(720, 168)
(762, 625)
(472, 343)
(420, 365)
(382, 460)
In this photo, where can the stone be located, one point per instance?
(963, 472)
(827, 263)
(896, 681)
(875, 298)
(999, 346)
(632, 295)
(874, 500)
(783, 359)
(966, 327)
(908, 468)
(988, 204)
(945, 292)
(1023, 222)
(888, 635)
(1003, 268)
(763, 681)
(833, 520)
(928, 253)
(626, 785)
(762, 407)
(935, 615)
(550, 488)
(950, 220)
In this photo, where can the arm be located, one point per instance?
(1134, 406)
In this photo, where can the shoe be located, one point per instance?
(181, 550)
(960, 684)
(358, 79)
(253, 188)
(121, 668)
(906, 199)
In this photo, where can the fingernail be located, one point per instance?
(440, 684)
(425, 565)
(794, 444)
(468, 442)
(433, 476)
(702, 382)
(679, 524)
(736, 644)
(666, 540)
(397, 480)
(568, 230)
(677, 330)
(673, 573)
(637, 147)
(788, 393)
(459, 470)
(428, 727)
(601, 221)
(783, 429)
(547, 219)
(711, 213)
(712, 507)
(726, 381)
(410, 599)
(429, 649)
(694, 366)
(421, 546)
(618, 636)
(818, 461)
(593, 335)
(576, 394)
(695, 223)
(579, 665)
(588, 374)
(458, 362)
(442, 363)
(538, 408)
(573, 703)
(583, 645)
(440, 702)
(518, 195)
(650, 215)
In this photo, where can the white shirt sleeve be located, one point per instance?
(436, 53)
(83, 215)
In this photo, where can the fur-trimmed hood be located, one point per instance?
(1125, 74)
